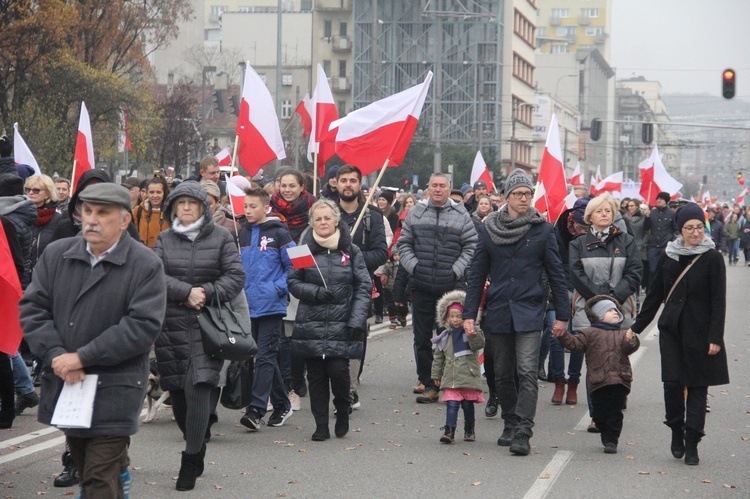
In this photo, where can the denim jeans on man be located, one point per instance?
(21, 376)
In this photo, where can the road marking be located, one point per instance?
(381, 329)
(583, 424)
(32, 449)
(549, 476)
(29, 436)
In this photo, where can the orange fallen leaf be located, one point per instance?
(292, 481)
(727, 486)
(476, 484)
(629, 457)
(349, 448)
(705, 480)
(545, 475)
(644, 472)
(467, 453)
(302, 450)
(218, 487)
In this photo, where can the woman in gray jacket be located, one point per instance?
(201, 263)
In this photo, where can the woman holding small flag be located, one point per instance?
(333, 286)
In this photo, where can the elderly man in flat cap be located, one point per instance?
(95, 306)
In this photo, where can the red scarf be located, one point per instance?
(44, 215)
(296, 212)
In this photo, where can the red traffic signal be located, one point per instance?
(728, 83)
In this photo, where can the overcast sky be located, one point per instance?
(684, 44)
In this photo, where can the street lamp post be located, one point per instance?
(206, 70)
(516, 107)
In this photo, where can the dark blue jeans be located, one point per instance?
(451, 412)
(268, 381)
(557, 361)
(546, 334)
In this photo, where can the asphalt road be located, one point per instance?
(393, 448)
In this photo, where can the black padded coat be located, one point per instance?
(212, 262)
(335, 329)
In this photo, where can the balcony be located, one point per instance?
(340, 83)
(600, 38)
(341, 43)
(583, 21)
(554, 21)
(333, 5)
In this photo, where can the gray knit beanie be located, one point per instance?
(516, 179)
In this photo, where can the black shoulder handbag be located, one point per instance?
(225, 333)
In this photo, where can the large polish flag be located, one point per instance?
(382, 130)
(84, 154)
(479, 171)
(305, 115)
(656, 179)
(595, 180)
(741, 198)
(322, 140)
(223, 157)
(552, 176)
(611, 184)
(21, 152)
(577, 178)
(257, 125)
(10, 290)
(705, 198)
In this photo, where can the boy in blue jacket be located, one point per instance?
(264, 241)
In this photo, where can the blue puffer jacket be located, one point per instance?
(266, 262)
(21, 212)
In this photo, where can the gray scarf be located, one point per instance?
(504, 230)
(677, 248)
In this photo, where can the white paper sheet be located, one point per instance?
(75, 407)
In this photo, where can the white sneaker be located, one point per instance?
(269, 407)
(294, 400)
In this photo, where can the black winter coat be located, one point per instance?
(662, 227)
(21, 212)
(336, 329)
(692, 318)
(42, 236)
(370, 236)
(211, 262)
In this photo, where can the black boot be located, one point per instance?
(449, 436)
(212, 419)
(342, 422)
(68, 477)
(189, 468)
(469, 434)
(490, 409)
(542, 376)
(321, 433)
(692, 438)
(678, 442)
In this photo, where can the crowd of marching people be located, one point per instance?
(478, 270)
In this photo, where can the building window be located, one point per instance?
(212, 35)
(524, 112)
(342, 68)
(593, 31)
(327, 67)
(305, 5)
(523, 28)
(566, 31)
(523, 70)
(342, 108)
(590, 12)
(342, 29)
(286, 80)
(561, 13)
(541, 31)
(327, 29)
(286, 109)
(558, 48)
(216, 12)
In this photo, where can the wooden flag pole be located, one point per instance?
(369, 196)
(73, 177)
(231, 205)
(315, 174)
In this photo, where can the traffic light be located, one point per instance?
(234, 103)
(596, 129)
(647, 133)
(219, 100)
(728, 83)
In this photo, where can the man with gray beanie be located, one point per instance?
(95, 305)
(515, 246)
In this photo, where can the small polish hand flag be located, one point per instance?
(236, 186)
(84, 154)
(303, 109)
(382, 130)
(577, 178)
(324, 113)
(21, 152)
(301, 256)
(552, 175)
(656, 179)
(223, 157)
(123, 134)
(741, 198)
(612, 183)
(10, 290)
(257, 125)
(479, 171)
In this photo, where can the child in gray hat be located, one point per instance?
(608, 371)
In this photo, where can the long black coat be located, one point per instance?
(212, 262)
(692, 318)
(335, 329)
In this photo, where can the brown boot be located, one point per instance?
(557, 397)
(572, 397)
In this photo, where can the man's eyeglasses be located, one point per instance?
(35, 190)
(698, 228)
(524, 194)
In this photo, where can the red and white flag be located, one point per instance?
(552, 176)
(223, 157)
(705, 198)
(301, 256)
(595, 180)
(257, 125)
(123, 135)
(741, 198)
(304, 111)
(84, 154)
(382, 130)
(21, 152)
(10, 290)
(598, 173)
(236, 186)
(479, 171)
(577, 178)
(656, 179)
(612, 183)
(324, 113)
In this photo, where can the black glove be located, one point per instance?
(324, 295)
(355, 333)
